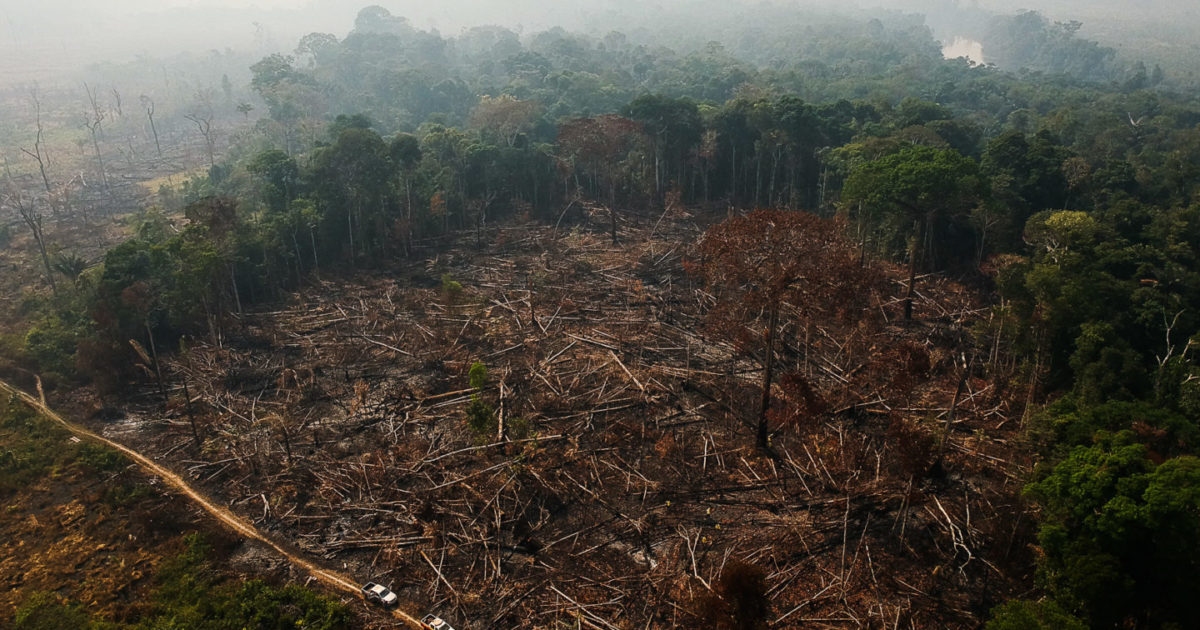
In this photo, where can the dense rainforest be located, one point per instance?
(1066, 194)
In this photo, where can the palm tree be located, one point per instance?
(70, 265)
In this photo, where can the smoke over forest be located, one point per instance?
(60, 36)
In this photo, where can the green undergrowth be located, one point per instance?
(33, 448)
(190, 593)
(187, 591)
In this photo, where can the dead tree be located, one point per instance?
(141, 298)
(151, 359)
(204, 125)
(117, 103)
(968, 363)
(202, 118)
(148, 104)
(187, 396)
(94, 121)
(769, 259)
(38, 153)
(286, 430)
(98, 113)
(33, 219)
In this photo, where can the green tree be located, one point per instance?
(279, 175)
(1070, 422)
(930, 189)
(481, 416)
(674, 128)
(351, 180)
(1120, 534)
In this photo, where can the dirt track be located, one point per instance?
(231, 520)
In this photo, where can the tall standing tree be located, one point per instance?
(760, 264)
(674, 128)
(599, 147)
(39, 149)
(931, 190)
(94, 121)
(148, 105)
(350, 178)
(405, 153)
(32, 218)
(202, 116)
(279, 176)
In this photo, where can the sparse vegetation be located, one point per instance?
(451, 288)
(481, 416)
(189, 594)
(187, 590)
(35, 449)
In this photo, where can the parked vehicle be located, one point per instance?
(435, 623)
(379, 595)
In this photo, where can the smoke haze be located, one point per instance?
(39, 40)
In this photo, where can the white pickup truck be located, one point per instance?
(435, 623)
(379, 595)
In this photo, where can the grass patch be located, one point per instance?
(188, 590)
(190, 593)
(174, 181)
(33, 448)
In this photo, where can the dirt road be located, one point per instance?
(231, 520)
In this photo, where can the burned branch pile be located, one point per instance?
(602, 469)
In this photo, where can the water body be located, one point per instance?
(963, 47)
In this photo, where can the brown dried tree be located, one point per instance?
(760, 264)
(599, 147)
(27, 209)
(39, 148)
(505, 116)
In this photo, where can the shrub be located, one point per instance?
(1026, 615)
(913, 447)
(477, 376)
(451, 288)
(35, 447)
(481, 417)
(45, 611)
(519, 428)
(100, 458)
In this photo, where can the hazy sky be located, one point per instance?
(38, 37)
